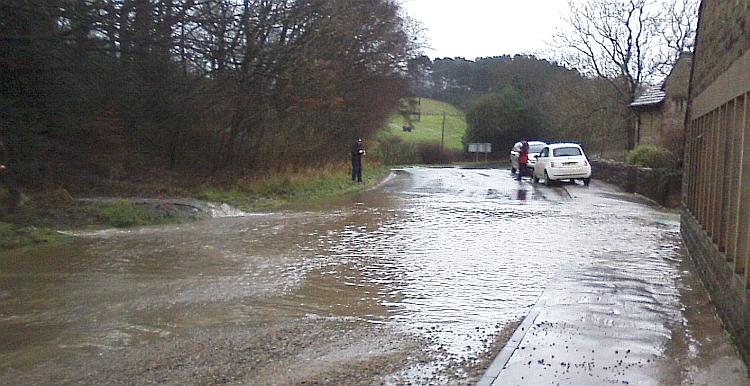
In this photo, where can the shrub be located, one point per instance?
(394, 150)
(429, 152)
(651, 156)
(455, 155)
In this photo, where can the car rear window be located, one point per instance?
(566, 152)
(536, 148)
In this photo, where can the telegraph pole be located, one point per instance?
(442, 140)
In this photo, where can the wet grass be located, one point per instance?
(291, 188)
(124, 214)
(16, 236)
(38, 220)
(429, 126)
(59, 210)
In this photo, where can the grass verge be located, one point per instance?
(291, 188)
(38, 220)
(124, 214)
(16, 236)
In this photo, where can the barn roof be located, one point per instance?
(650, 97)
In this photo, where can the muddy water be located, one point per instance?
(449, 256)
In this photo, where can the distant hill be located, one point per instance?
(429, 125)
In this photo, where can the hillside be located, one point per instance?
(429, 126)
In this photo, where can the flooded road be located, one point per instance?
(418, 281)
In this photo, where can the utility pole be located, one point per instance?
(442, 140)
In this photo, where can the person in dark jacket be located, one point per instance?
(358, 150)
(3, 161)
(16, 195)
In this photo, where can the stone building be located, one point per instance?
(716, 188)
(660, 112)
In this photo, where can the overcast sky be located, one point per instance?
(479, 28)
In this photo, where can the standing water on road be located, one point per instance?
(418, 279)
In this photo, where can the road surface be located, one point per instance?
(422, 280)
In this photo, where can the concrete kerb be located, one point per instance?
(498, 364)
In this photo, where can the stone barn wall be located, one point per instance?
(716, 188)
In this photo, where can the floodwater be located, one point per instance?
(446, 256)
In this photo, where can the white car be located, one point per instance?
(534, 148)
(562, 161)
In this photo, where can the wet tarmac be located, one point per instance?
(419, 281)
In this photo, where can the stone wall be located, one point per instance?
(661, 185)
(649, 126)
(727, 287)
(723, 37)
(716, 204)
(672, 133)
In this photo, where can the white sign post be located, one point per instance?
(477, 148)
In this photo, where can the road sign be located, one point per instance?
(480, 148)
(477, 148)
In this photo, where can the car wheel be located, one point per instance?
(547, 181)
(586, 181)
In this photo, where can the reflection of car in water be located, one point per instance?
(534, 148)
(562, 161)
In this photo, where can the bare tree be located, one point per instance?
(676, 26)
(629, 43)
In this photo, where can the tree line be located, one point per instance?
(103, 87)
(604, 54)
(507, 98)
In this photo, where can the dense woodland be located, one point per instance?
(140, 89)
(119, 89)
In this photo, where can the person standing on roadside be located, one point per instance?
(2, 159)
(15, 192)
(523, 159)
(358, 150)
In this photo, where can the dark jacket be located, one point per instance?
(358, 149)
(3, 156)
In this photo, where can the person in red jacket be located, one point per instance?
(523, 159)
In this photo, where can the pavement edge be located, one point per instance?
(498, 364)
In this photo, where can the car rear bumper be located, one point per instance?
(566, 173)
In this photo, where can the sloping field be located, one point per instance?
(429, 125)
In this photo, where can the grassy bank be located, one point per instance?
(280, 190)
(429, 126)
(38, 220)
(15, 236)
(41, 218)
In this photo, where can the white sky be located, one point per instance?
(480, 28)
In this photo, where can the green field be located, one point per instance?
(429, 125)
